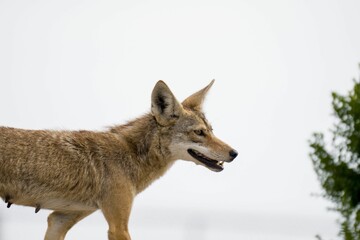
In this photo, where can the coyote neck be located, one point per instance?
(151, 157)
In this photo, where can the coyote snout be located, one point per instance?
(76, 173)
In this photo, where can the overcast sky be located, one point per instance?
(90, 64)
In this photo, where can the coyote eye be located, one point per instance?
(199, 132)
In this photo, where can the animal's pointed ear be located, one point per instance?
(164, 106)
(196, 100)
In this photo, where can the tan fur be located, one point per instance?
(76, 173)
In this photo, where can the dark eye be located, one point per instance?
(199, 132)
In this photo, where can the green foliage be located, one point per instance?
(338, 169)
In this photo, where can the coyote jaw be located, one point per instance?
(212, 164)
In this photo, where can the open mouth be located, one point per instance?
(211, 163)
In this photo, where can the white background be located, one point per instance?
(90, 64)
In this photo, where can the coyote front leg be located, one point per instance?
(59, 223)
(116, 210)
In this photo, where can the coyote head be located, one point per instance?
(190, 135)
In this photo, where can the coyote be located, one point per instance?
(76, 173)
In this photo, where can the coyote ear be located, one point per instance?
(196, 100)
(164, 106)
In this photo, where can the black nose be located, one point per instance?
(233, 153)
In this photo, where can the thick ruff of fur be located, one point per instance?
(76, 173)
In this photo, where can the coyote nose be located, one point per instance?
(233, 153)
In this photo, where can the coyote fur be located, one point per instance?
(76, 173)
